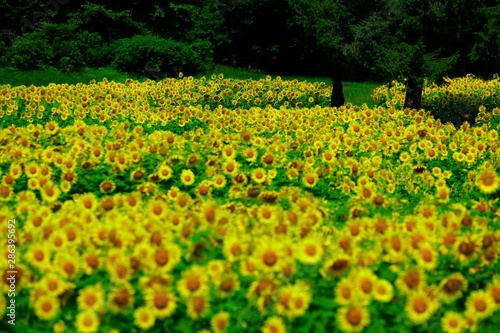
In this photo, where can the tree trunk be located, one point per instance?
(413, 96)
(337, 90)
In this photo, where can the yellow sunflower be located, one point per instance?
(87, 322)
(452, 287)
(479, 305)
(420, 307)
(269, 256)
(144, 318)
(198, 307)
(46, 307)
(310, 250)
(187, 177)
(91, 298)
(353, 318)
(452, 322)
(293, 300)
(160, 300)
(383, 291)
(193, 282)
(488, 181)
(220, 322)
(274, 324)
(258, 175)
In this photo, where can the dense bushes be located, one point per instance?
(68, 49)
(141, 54)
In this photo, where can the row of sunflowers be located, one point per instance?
(150, 207)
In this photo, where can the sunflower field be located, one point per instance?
(222, 205)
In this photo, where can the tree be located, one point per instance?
(401, 39)
(330, 22)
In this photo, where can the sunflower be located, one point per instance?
(46, 307)
(164, 172)
(204, 189)
(227, 285)
(467, 247)
(258, 175)
(143, 318)
(91, 298)
(267, 214)
(157, 209)
(479, 305)
(345, 292)
(452, 322)
(187, 177)
(269, 256)
(310, 179)
(67, 264)
(353, 318)
(57, 241)
(365, 281)
(274, 324)
(383, 291)
(230, 168)
(426, 256)
(488, 181)
(310, 250)
(248, 267)
(198, 307)
(494, 290)
(59, 327)
(164, 258)
(420, 307)
(91, 261)
(220, 322)
(120, 271)
(121, 298)
(293, 300)
(336, 265)
(411, 280)
(39, 257)
(50, 192)
(193, 282)
(88, 202)
(452, 287)
(54, 284)
(87, 322)
(234, 246)
(160, 300)
(219, 181)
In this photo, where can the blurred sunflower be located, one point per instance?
(452, 287)
(187, 177)
(47, 307)
(274, 324)
(91, 298)
(310, 250)
(220, 322)
(160, 300)
(87, 322)
(452, 322)
(144, 318)
(198, 307)
(488, 181)
(420, 307)
(193, 282)
(353, 318)
(479, 305)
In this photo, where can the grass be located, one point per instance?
(354, 92)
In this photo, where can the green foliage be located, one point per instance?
(140, 53)
(109, 24)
